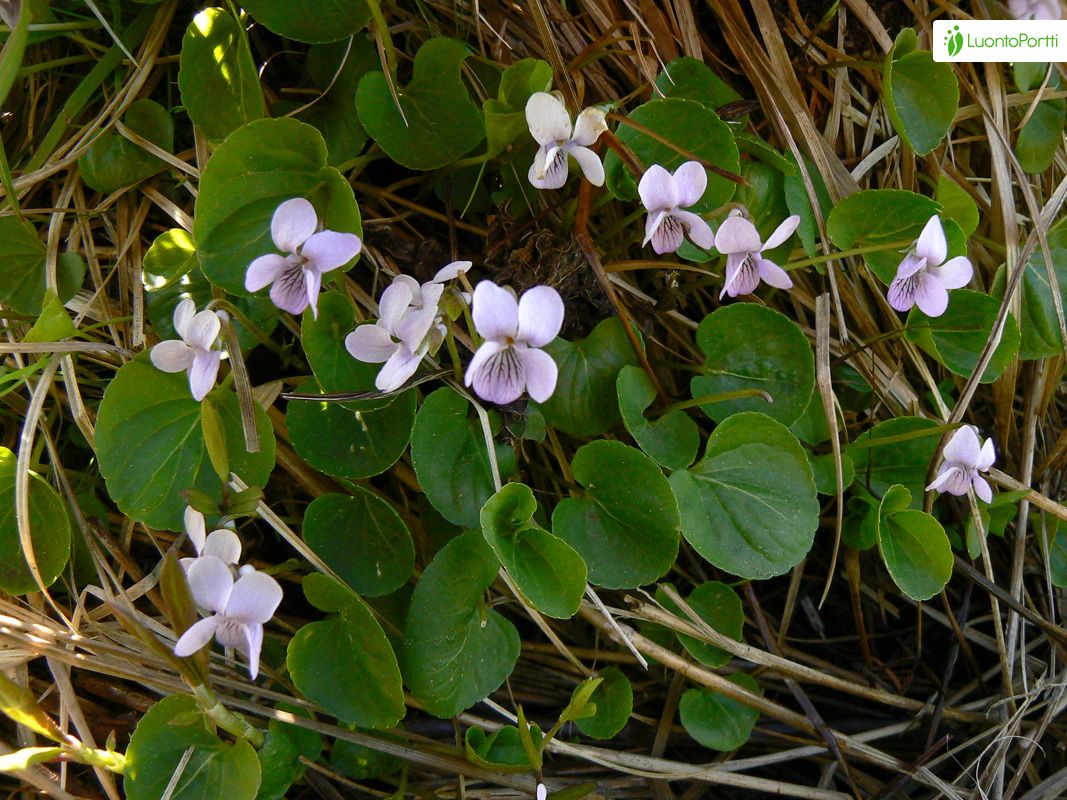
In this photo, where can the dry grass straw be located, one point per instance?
(995, 688)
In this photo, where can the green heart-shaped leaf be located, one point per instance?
(913, 545)
(672, 439)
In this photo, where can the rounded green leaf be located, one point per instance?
(500, 750)
(217, 77)
(49, 531)
(280, 757)
(614, 701)
(336, 70)
(677, 124)
(957, 337)
(716, 721)
(457, 651)
(547, 570)
(892, 218)
(159, 746)
(825, 471)
(672, 439)
(505, 117)
(113, 161)
(172, 254)
(921, 95)
(1039, 326)
(913, 545)
(625, 523)
(448, 452)
(155, 409)
(691, 79)
(310, 20)
(720, 607)
(957, 205)
(584, 403)
(346, 666)
(749, 505)
(258, 167)
(346, 443)
(362, 539)
(1042, 134)
(323, 339)
(22, 280)
(749, 346)
(437, 122)
(895, 451)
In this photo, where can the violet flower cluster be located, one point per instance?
(236, 602)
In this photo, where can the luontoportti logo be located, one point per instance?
(954, 41)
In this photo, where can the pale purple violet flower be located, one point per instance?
(924, 277)
(10, 10)
(295, 278)
(665, 197)
(965, 456)
(1035, 9)
(510, 360)
(738, 239)
(408, 327)
(195, 352)
(239, 609)
(542, 792)
(222, 543)
(550, 126)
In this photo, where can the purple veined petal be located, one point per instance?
(495, 311)
(692, 181)
(986, 457)
(370, 344)
(487, 350)
(393, 303)
(589, 162)
(696, 228)
(397, 370)
(264, 271)
(254, 599)
(668, 234)
(982, 489)
(944, 474)
(10, 11)
(313, 285)
(547, 119)
(742, 275)
(588, 127)
(658, 189)
(549, 169)
(737, 235)
(963, 448)
(327, 250)
(224, 545)
(901, 294)
(289, 291)
(782, 232)
(931, 244)
(540, 316)
(909, 265)
(452, 271)
(211, 583)
(183, 315)
(652, 223)
(172, 356)
(953, 480)
(292, 224)
(930, 296)
(202, 373)
(955, 273)
(541, 373)
(773, 275)
(498, 378)
(195, 528)
(197, 636)
(202, 330)
(252, 647)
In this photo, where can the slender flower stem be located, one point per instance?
(855, 251)
(453, 353)
(230, 722)
(383, 30)
(718, 397)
